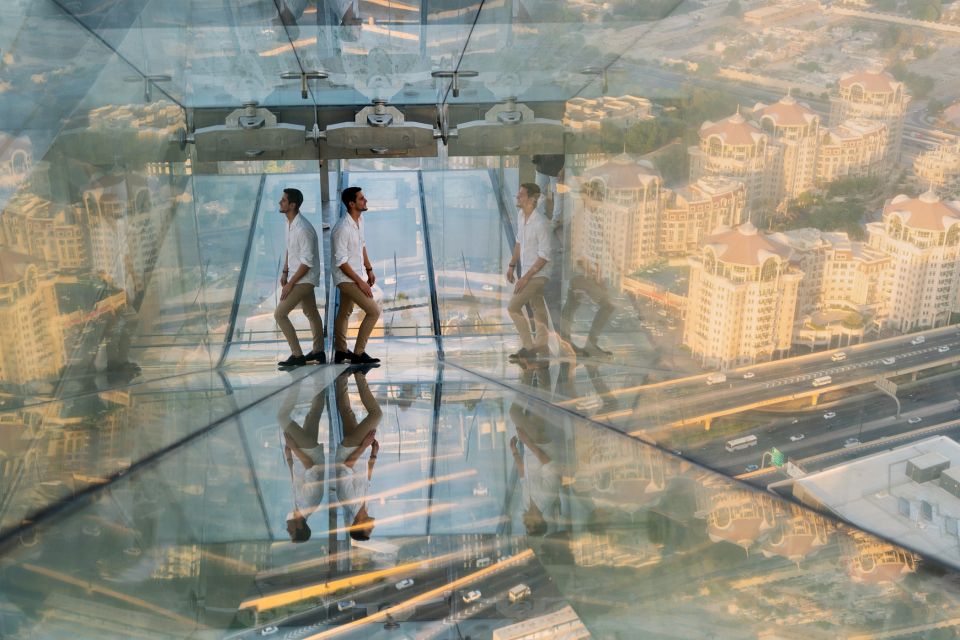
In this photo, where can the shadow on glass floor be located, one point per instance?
(368, 508)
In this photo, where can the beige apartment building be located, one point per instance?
(616, 228)
(587, 114)
(694, 211)
(854, 148)
(742, 298)
(922, 237)
(737, 149)
(938, 167)
(795, 130)
(29, 321)
(873, 96)
(34, 226)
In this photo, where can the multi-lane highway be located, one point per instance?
(691, 400)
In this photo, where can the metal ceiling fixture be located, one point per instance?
(304, 76)
(147, 81)
(456, 75)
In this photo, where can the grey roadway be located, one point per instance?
(690, 399)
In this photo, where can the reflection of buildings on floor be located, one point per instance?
(563, 623)
(734, 515)
(874, 561)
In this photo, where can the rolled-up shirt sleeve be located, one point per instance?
(305, 246)
(544, 242)
(341, 247)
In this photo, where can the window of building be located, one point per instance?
(926, 510)
(903, 506)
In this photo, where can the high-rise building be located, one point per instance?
(795, 129)
(874, 96)
(617, 228)
(694, 211)
(736, 148)
(938, 167)
(37, 227)
(854, 148)
(742, 298)
(922, 237)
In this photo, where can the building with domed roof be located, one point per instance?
(617, 230)
(692, 212)
(922, 237)
(736, 148)
(795, 129)
(742, 298)
(874, 96)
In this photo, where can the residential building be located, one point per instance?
(736, 148)
(586, 114)
(939, 167)
(854, 148)
(742, 298)
(51, 233)
(616, 230)
(873, 96)
(795, 129)
(922, 237)
(694, 211)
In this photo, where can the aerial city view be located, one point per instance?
(636, 319)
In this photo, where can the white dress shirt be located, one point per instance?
(347, 246)
(303, 247)
(535, 238)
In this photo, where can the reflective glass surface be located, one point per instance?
(667, 329)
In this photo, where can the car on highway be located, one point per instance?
(795, 421)
(797, 438)
(343, 605)
(471, 596)
(889, 361)
(839, 356)
(914, 420)
(750, 467)
(676, 452)
(404, 584)
(269, 630)
(487, 287)
(943, 349)
(829, 414)
(918, 340)
(850, 442)
(748, 375)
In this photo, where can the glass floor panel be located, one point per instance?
(346, 504)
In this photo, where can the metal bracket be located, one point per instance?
(304, 76)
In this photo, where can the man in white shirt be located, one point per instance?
(352, 477)
(350, 260)
(532, 253)
(303, 255)
(305, 459)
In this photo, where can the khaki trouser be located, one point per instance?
(303, 295)
(596, 292)
(351, 296)
(353, 431)
(533, 294)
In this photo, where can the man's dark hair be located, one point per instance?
(349, 195)
(533, 191)
(360, 534)
(294, 196)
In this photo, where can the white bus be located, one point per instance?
(822, 380)
(518, 592)
(741, 443)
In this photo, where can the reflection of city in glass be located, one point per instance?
(731, 227)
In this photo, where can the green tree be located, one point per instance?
(733, 9)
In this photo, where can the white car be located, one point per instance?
(943, 349)
(851, 442)
(487, 287)
(748, 375)
(829, 414)
(918, 340)
(269, 631)
(914, 420)
(471, 596)
(343, 605)
(889, 360)
(797, 438)
(404, 584)
(839, 356)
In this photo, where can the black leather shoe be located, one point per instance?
(293, 361)
(319, 357)
(343, 356)
(364, 358)
(520, 355)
